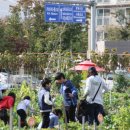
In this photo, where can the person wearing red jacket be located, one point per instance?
(6, 103)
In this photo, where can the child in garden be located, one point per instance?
(22, 108)
(54, 119)
(7, 102)
(45, 102)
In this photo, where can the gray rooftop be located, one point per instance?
(122, 46)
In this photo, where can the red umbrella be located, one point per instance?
(88, 63)
(80, 67)
(85, 66)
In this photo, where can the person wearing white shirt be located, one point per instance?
(45, 102)
(94, 84)
(22, 108)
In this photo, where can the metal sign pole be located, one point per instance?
(93, 25)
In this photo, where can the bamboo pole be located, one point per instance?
(11, 119)
(19, 125)
(83, 122)
(94, 125)
(66, 126)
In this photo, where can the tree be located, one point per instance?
(113, 59)
(75, 37)
(3, 40)
(124, 60)
(121, 83)
(121, 32)
(29, 32)
(109, 59)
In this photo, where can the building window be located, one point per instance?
(128, 14)
(123, 15)
(103, 16)
(120, 14)
(106, 1)
(123, 0)
(103, 1)
(101, 36)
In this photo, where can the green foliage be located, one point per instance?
(124, 59)
(123, 31)
(74, 36)
(113, 34)
(117, 114)
(113, 59)
(58, 101)
(121, 83)
(84, 75)
(31, 34)
(75, 78)
(109, 59)
(122, 119)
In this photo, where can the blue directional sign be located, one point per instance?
(65, 13)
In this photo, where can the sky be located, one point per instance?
(4, 7)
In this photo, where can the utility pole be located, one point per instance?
(92, 28)
(93, 25)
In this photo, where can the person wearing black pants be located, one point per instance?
(4, 116)
(70, 113)
(45, 120)
(23, 117)
(93, 111)
(45, 102)
(93, 92)
(22, 108)
(70, 95)
(7, 102)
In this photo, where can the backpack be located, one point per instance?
(81, 111)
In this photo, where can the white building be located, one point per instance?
(5, 7)
(106, 11)
(105, 15)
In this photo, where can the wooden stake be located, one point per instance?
(19, 124)
(83, 122)
(66, 125)
(11, 119)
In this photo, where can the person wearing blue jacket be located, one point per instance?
(70, 95)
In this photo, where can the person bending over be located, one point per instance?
(22, 108)
(6, 103)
